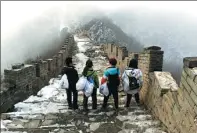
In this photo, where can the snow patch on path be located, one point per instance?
(83, 46)
(51, 98)
(81, 61)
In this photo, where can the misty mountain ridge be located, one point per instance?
(103, 30)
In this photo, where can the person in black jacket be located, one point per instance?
(72, 76)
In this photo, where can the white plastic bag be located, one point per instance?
(104, 89)
(64, 82)
(81, 83)
(126, 84)
(51, 81)
(88, 89)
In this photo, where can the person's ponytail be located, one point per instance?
(85, 71)
(89, 64)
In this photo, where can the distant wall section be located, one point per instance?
(24, 80)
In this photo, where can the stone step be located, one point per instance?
(65, 111)
(94, 116)
(104, 128)
(38, 126)
(148, 130)
(82, 121)
(141, 126)
(120, 119)
(78, 120)
(44, 130)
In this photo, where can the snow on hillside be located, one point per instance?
(103, 30)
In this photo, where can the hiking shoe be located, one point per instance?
(70, 108)
(85, 109)
(77, 110)
(126, 106)
(138, 103)
(94, 108)
(103, 109)
(116, 111)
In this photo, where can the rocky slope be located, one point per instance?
(103, 30)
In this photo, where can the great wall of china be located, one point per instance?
(174, 105)
(24, 80)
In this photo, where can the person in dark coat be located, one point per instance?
(72, 76)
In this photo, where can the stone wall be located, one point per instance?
(24, 80)
(175, 106)
(149, 60)
(21, 83)
(120, 53)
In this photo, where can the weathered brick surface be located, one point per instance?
(175, 106)
(21, 80)
(195, 79)
(186, 85)
(25, 80)
(178, 108)
(192, 84)
(191, 72)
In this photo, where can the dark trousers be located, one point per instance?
(112, 91)
(129, 96)
(94, 100)
(71, 92)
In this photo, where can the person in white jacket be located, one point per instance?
(132, 81)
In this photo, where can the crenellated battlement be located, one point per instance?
(24, 80)
(175, 105)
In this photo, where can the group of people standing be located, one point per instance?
(111, 76)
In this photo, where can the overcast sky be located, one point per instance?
(29, 25)
(15, 13)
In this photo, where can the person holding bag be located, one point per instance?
(132, 82)
(72, 77)
(92, 77)
(111, 76)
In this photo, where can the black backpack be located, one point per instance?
(133, 82)
(113, 80)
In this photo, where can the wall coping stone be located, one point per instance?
(190, 62)
(17, 66)
(166, 81)
(152, 48)
(153, 52)
(18, 69)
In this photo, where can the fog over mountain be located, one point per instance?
(175, 33)
(30, 29)
(103, 30)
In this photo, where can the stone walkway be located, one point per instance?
(133, 120)
(47, 112)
